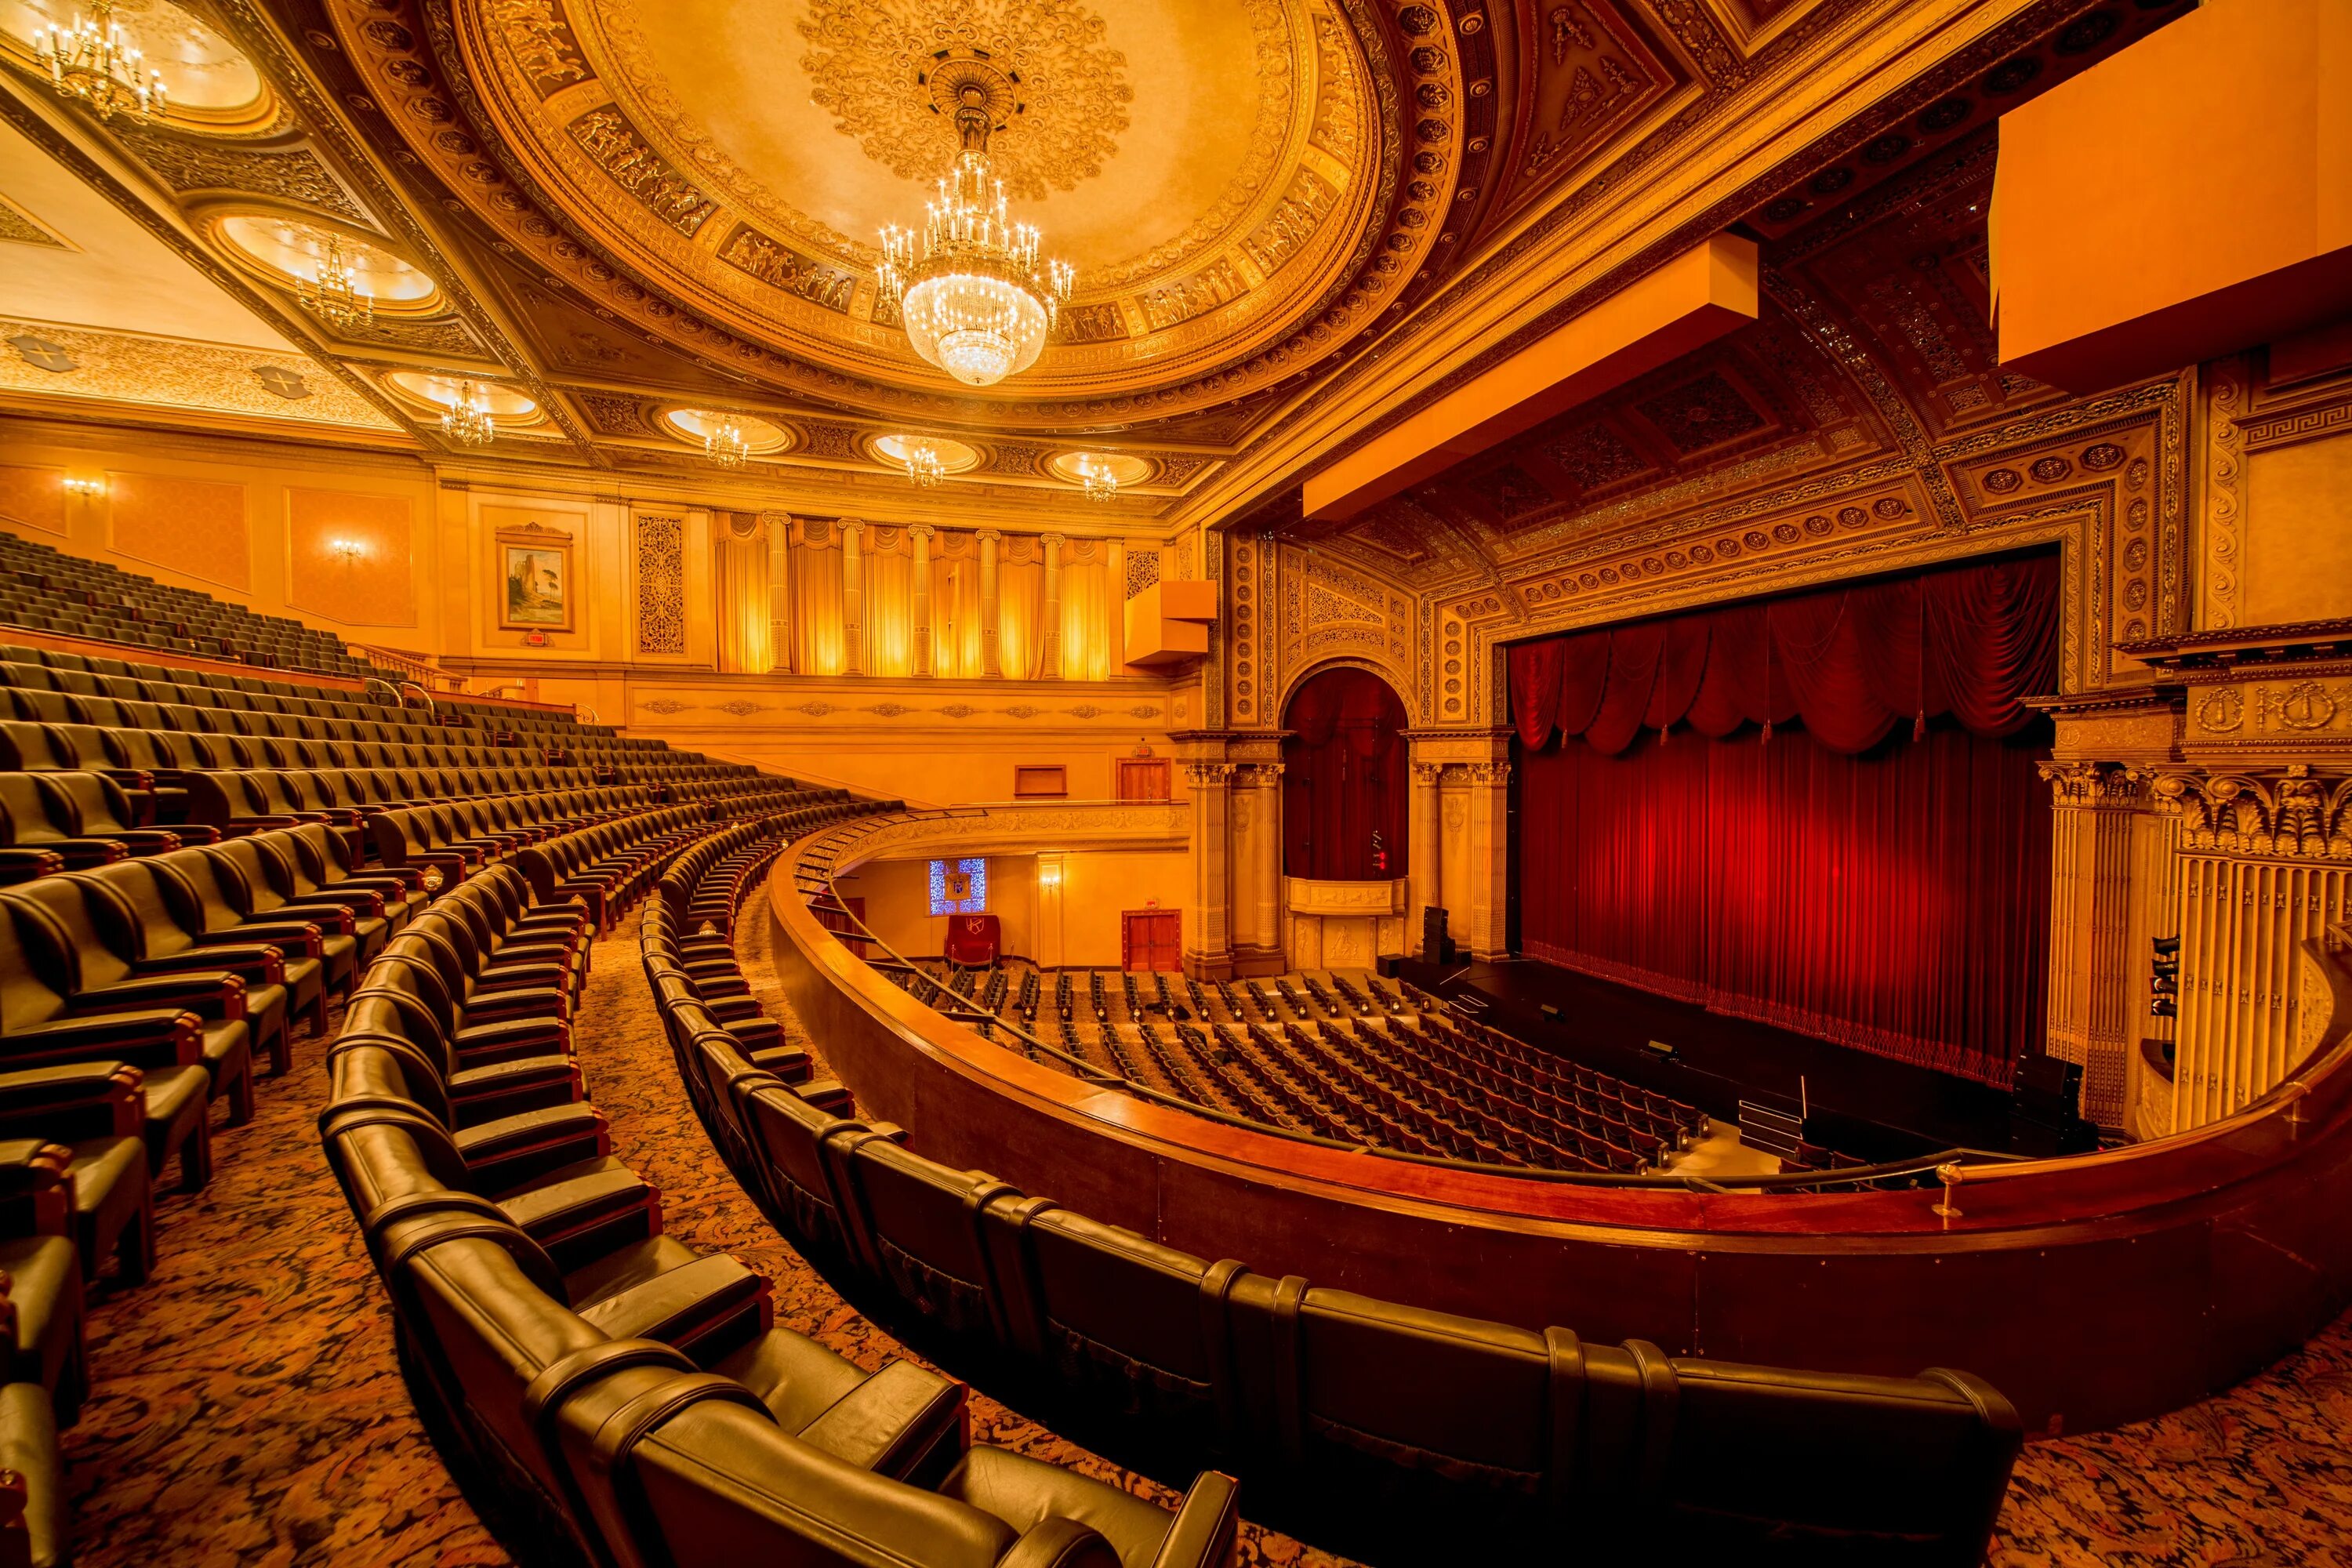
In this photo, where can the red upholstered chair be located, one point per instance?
(973, 939)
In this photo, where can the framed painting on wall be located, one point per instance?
(536, 586)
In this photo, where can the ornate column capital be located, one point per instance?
(2288, 813)
(921, 531)
(2086, 785)
(1206, 775)
(1429, 773)
(987, 535)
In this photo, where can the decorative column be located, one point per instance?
(853, 597)
(1265, 864)
(2262, 874)
(1051, 632)
(1209, 774)
(989, 663)
(2092, 1011)
(1117, 573)
(1489, 859)
(779, 591)
(1425, 889)
(922, 534)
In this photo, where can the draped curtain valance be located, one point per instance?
(1851, 663)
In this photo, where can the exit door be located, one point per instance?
(1152, 939)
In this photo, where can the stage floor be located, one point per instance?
(1871, 1107)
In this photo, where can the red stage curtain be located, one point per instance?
(1853, 663)
(1844, 880)
(1344, 778)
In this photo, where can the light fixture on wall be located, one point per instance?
(346, 551)
(468, 421)
(88, 488)
(335, 294)
(725, 443)
(923, 462)
(1095, 477)
(973, 296)
(95, 61)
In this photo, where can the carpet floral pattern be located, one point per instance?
(246, 1409)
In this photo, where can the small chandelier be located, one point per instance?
(971, 292)
(336, 296)
(96, 61)
(724, 442)
(921, 461)
(467, 421)
(1095, 477)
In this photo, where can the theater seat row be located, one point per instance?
(1513, 1440)
(613, 1388)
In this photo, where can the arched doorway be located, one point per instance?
(1345, 779)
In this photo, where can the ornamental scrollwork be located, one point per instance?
(2289, 813)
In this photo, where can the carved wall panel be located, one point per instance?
(1333, 612)
(661, 584)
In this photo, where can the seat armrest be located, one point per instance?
(299, 938)
(218, 994)
(110, 1084)
(332, 916)
(366, 903)
(1203, 1535)
(25, 864)
(36, 1171)
(255, 963)
(513, 1150)
(110, 1035)
(152, 840)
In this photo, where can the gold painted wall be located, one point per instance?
(1095, 887)
(247, 521)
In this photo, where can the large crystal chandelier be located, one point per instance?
(336, 296)
(96, 61)
(973, 296)
(468, 420)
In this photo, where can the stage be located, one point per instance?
(1871, 1107)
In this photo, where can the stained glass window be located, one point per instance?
(959, 887)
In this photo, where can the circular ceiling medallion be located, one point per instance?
(289, 251)
(693, 426)
(1070, 467)
(1212, 168)
(954, 456)
(434, 390)
(890, 76)
(209, 84)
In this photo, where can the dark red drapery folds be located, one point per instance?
(1893, 897)
(1853, 663)
(1344, 777)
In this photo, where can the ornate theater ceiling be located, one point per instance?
(1292, 219)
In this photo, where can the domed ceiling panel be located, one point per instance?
(1216, 168)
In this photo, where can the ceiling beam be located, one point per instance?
(1706, 291)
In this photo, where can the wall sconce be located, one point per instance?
(346, 550)
(92, 488)
(1049, 873)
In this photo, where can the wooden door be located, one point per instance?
(1151, 938)
(1142, 778)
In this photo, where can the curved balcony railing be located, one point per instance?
(2092, 1290)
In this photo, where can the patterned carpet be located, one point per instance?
(246, 1409)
